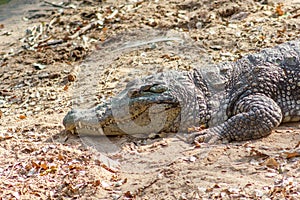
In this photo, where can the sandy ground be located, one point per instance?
(40, 50)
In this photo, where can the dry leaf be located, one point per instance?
(60, 157)
(66, 87)
(5, 137)
(22, 117)
(44, 165)
(71, 77)
(279, 10)
(271, 162)
(96, 183)
(129, 195)
(35, 165)
(294, 154)
(257, 153)
(104, 29)
(110, 169)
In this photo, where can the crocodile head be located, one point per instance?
(164, 102)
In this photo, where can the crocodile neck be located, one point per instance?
(212, 79)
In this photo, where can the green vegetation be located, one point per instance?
(4, 1)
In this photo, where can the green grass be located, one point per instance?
(4, 1)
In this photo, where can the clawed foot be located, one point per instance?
(207, 136)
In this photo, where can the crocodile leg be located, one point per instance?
(254, 116)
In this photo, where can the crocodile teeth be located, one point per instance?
(79, 124)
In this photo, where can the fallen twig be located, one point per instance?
(55, 4)
(86, 28)
(295, 10)
(52, 42)
(295, 16)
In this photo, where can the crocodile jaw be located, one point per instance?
(128, 113)
(89, 122)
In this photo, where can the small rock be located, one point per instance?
(216, 47)
(43, 75)
(270, 174)
(239, 16)
(234, 26)
(32, 103)
(38, 66)
(193, 159)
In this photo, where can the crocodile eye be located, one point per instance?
(158, 88)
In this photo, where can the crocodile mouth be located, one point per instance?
(142, 117)
(129, 113)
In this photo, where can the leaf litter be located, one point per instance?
(37, 74)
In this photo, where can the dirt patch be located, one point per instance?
(39, 52)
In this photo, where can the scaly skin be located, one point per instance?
(154, 104)
(240, 100)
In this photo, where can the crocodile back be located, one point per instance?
(274, 72)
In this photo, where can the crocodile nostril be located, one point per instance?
(69, 118)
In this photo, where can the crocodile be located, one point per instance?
(230, 101)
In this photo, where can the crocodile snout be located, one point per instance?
(69, 120)
(76, 118)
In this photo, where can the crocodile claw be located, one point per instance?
(207, 136)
